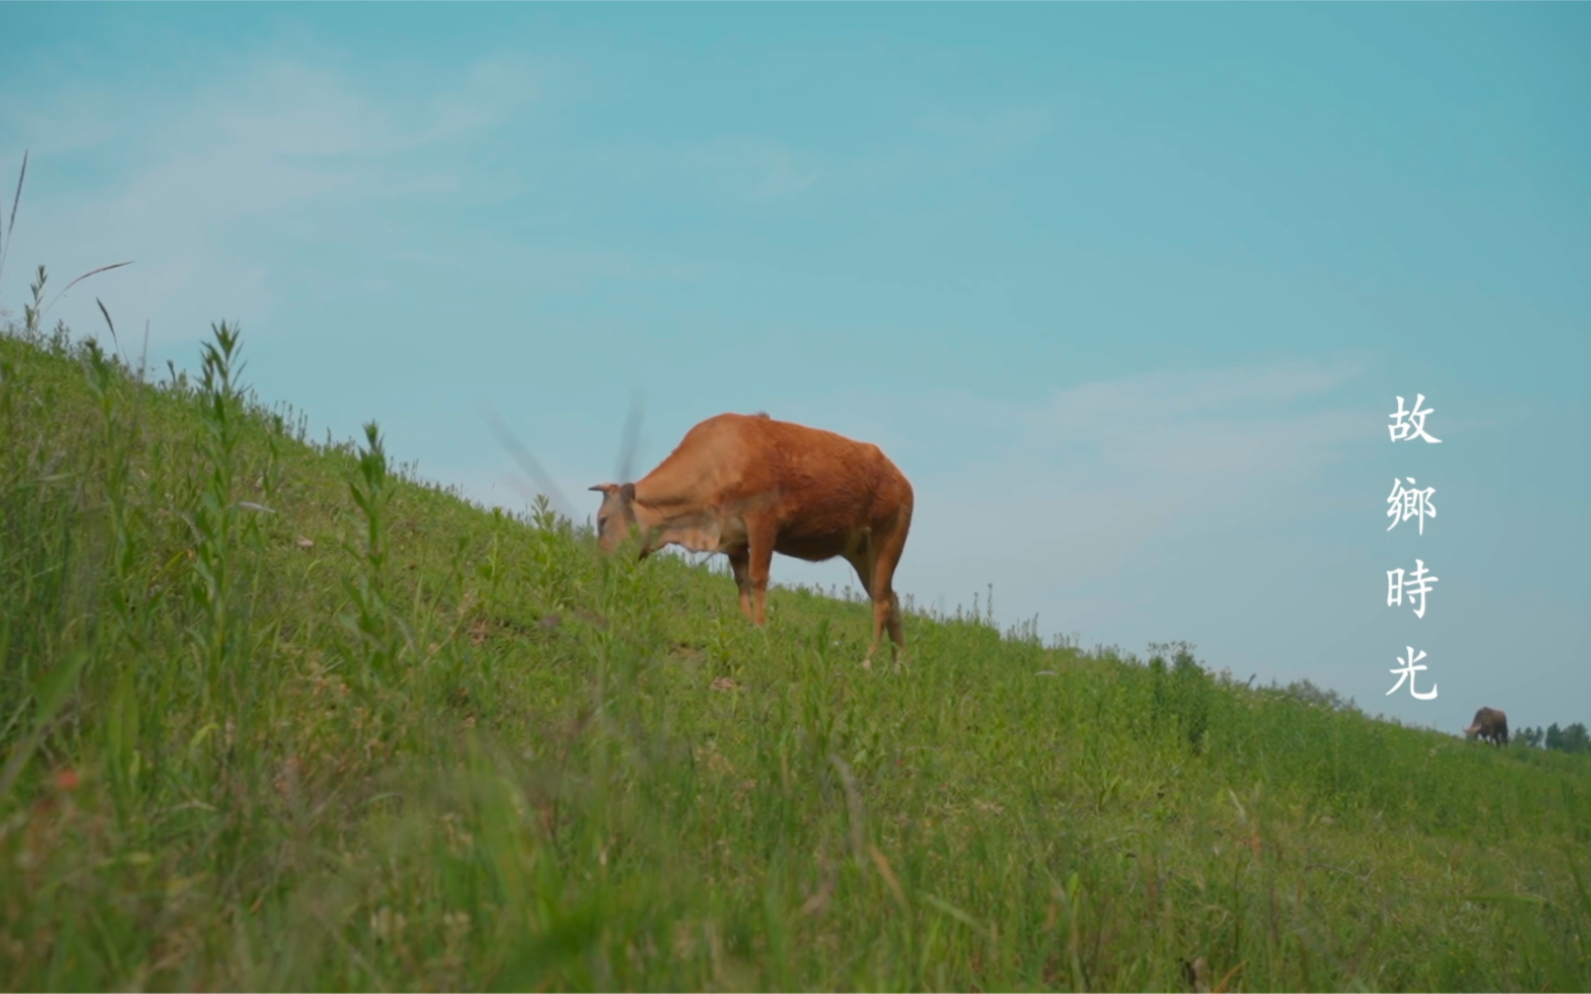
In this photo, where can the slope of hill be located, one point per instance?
(278, 715)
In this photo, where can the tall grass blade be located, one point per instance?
(527, 462)
(91, 272)
(624, 471)
(5, 249)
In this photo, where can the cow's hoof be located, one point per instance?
(867, 662)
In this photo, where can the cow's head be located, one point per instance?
(1472, 731)
(616, 516)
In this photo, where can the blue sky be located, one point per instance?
(1127, 290)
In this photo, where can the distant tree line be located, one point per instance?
(1571, 739)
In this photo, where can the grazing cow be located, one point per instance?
(750, 486)
(1491, 725)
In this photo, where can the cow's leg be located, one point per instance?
(888, 545)
(760, 536)
(862, 562)
(740, 563)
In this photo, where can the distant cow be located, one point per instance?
(750, 486)
(1491, 725)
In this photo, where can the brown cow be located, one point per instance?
(1491, 725)
(750, 486)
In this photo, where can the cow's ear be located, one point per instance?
(604, 488)
(627, 492)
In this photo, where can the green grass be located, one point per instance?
(280, 715)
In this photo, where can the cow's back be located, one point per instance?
(1486, 717)
(818, 480)
(827, 482)
(1498, 722)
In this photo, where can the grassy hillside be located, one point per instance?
(277, 715)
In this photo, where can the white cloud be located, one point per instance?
(493, 91)
(755, 169)
(980, 139)
(1234, 422)
(760, 169)
(280, 136)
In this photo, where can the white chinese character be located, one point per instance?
(1417, 585)
(1406, 502)
(1411, 424)
(1407, 673)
